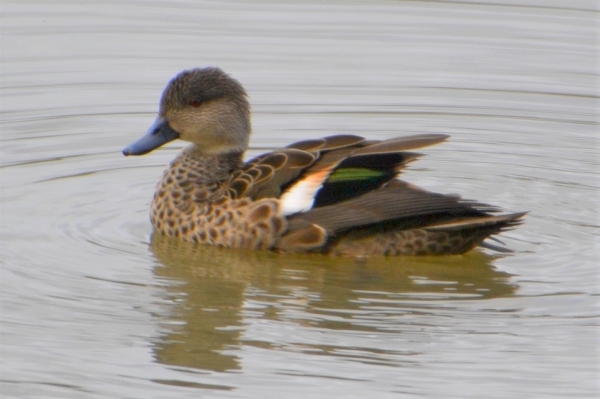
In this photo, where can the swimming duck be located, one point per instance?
(337, 195)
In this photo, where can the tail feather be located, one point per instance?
(503, 221)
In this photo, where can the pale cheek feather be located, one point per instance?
(301, 196)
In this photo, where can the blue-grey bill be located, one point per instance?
(158, 134)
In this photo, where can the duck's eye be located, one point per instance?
(195, 103)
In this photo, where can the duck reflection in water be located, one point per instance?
(221, 293)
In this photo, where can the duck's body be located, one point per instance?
(338, 195)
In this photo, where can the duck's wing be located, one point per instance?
(320, 172)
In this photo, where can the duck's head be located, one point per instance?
(204, 106)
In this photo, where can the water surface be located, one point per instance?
(94, 306)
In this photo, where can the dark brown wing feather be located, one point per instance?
(394, 202)
(405, 143)
(328, 143)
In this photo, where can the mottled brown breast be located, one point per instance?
(194, 203)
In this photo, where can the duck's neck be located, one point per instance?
(200, 168)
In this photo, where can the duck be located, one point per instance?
(339, 195)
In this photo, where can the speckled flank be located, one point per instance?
(188, 206)
(407, 242)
